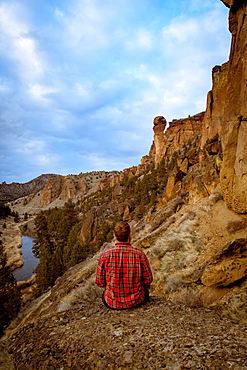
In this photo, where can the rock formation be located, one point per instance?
(175, 137)
(16, 190)
(226, 112)
(228, 265)
(73, 186)
(159, 142)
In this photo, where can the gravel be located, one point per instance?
(157, 335)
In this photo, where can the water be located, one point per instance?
(30, 262)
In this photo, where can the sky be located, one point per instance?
(82, 80)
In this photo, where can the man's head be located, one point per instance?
(122, 231)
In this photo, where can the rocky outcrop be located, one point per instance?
(159, 138)
(177, 135)
(228, 265)
(16, 190)
(226, 112)
(74, 186)
(212, 122)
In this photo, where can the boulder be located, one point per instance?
(227, 266)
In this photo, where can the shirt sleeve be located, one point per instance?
(147, 276)
(100, 274)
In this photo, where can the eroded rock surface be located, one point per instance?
(226, 112)
(228, 265)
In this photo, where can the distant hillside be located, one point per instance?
(16, 190)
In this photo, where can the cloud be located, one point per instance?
(81, 81)
(20, 48)
(41, 93)
(193, 46)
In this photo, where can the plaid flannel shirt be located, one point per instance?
(125, 273)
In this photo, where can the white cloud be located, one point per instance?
(40, 92)
(17, 45)
(31, 147)
(193, 46)
(195, 37)
(83, 25)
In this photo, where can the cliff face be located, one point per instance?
(192, 168)
(225, 119)
(226, 112)
(212, 122)
(15, 190)
(73, 186)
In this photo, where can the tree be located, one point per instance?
(42, 234)
(52, 232)
(43, 272)
(10, 296)
(5, 211)
(73, 251)
(16, 216)
(42, 249)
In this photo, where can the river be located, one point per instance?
(30, 262)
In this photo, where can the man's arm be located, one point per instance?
(100, 279)
(147, 275)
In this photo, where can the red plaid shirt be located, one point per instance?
(125, 273)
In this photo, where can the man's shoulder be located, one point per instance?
(131, 249)
(107, 251)
(122, 247)
(138, 251)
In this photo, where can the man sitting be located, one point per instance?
(124, 272)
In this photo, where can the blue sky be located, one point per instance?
(82, 80)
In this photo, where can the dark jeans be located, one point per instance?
(146, 299)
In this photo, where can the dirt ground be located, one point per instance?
(157, 335)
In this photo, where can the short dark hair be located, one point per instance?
(122, 231)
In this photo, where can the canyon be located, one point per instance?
(195, 235)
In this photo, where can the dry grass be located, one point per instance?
(174, 284)
(175, 253)
(186, 297)
(85, 295)
(215, 196)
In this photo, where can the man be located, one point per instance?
(124, 272)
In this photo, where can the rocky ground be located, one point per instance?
(158, 335)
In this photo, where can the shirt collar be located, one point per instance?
(122, 244)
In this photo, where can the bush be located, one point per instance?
(5, 211)
(186, 297)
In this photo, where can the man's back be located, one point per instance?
(125, 273)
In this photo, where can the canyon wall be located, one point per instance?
(15, 190)
(226, 113)
(74, 186)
